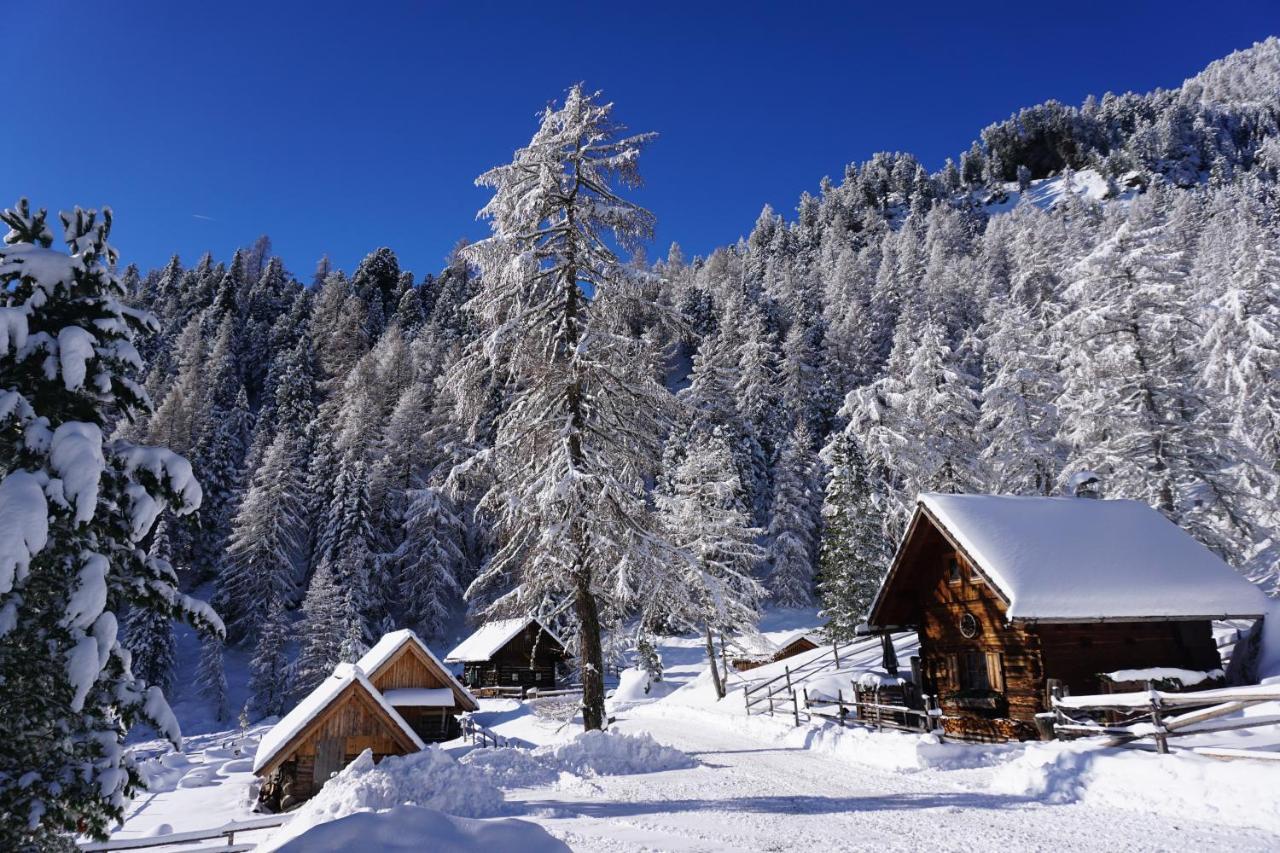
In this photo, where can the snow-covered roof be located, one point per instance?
(306, 711)
(418, 697)
(492, 636)
(385, 648)
(1082, 559)
(753, 645)
(812, 636)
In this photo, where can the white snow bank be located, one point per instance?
(1268, 654)
(430, 778)
(1233, 793)
(635, 686)
(589, 754)
(410, 829)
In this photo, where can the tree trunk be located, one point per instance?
(715, 670)
(590, 653)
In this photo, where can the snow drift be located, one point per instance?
(412, 829)
(1182, 786)
(588, 754)
(432, 779)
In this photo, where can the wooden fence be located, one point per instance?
(226, 834)
(480, 736)
(1158, 714)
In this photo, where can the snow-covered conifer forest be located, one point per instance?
(556, 424)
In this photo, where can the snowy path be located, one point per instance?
(754, 795)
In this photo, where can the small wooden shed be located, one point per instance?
(414, 682)
(342, 717)
(804, 641)
(1010, 595)
(518, 652)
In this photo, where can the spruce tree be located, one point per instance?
(75, 509)
(855, 550)
(794, 522)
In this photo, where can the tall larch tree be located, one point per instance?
(578, 440)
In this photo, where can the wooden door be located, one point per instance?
(329, 754)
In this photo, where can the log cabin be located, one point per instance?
(1011, 596)
(394, 701)
(804, 641)
(414, 682)
(518, 652)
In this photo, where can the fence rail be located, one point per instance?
(227, 832)
(1160, 714)
(480, 736)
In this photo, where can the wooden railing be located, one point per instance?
(480, 736)
(227, 833)
(768, 696)
(875, 714)
(1158, 714)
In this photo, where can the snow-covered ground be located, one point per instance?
(681, 771)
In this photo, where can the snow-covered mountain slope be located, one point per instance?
(1249, 76)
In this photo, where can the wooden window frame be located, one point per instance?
(955, 570)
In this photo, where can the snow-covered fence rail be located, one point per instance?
(779, 691)
(536, 693)
(876, 713)
(481, 736)
(1160, 714)
(226, 833)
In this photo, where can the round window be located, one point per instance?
(969, 625)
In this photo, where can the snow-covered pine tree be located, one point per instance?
(269, 667)
(855, 550)
(794, 520)
(264, 548)
(429, 562)
(211, 677)
(710, 586)
(1018, 425)
(75, 510)
(578, 440)
(1131, 408)
(148, 633)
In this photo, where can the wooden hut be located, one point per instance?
(517, 652)
(341, 718)
(394, 701)
(1010, 595)
(799, 643)
(414, 682)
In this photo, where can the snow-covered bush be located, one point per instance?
(76, 511)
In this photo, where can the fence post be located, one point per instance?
(840, 704)
(795, 708)
(746, 698)
(835, 649)
(1162, 739)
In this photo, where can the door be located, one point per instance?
(328, 760)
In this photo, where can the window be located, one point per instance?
(973, 671)
(953, 570)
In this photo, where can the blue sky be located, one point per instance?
(338, 127)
